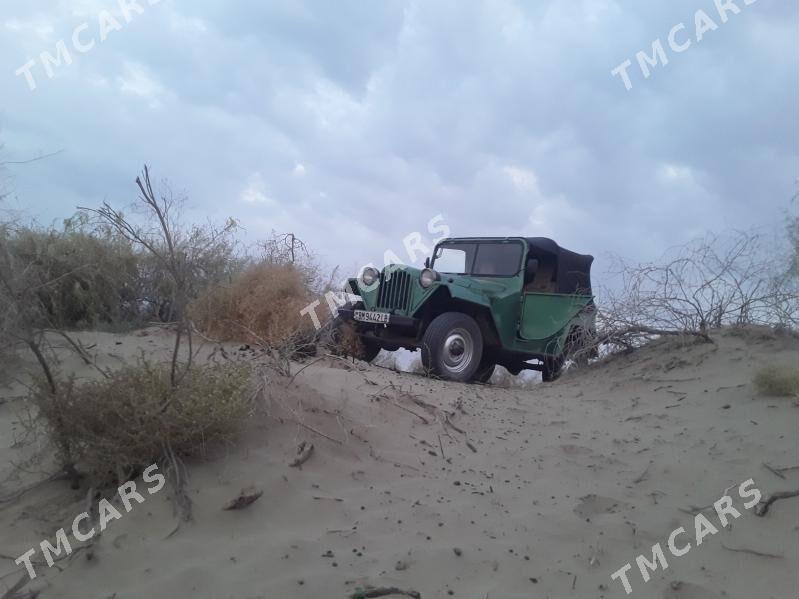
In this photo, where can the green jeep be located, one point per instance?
(479, 302)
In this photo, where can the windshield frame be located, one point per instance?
(477, 243)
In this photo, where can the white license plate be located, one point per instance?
(368, 316)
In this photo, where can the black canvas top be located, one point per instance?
(574, 270)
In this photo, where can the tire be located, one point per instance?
(552, 367)
(484, 373)
(346, 342)
(452, 347)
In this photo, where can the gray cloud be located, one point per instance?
(352, 123)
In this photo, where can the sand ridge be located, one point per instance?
(455, 490)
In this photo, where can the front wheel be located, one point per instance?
(452, 347)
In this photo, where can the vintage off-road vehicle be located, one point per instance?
(478, 303)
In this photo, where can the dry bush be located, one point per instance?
(77, 276)
(180, 254)
(112, 427)
(91, 274)
(101, 265)
(707, 284)
(261, 305)
(207, 257)
(288, 249)
(777, 381)
(793, 239)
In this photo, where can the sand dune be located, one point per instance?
(452, 490)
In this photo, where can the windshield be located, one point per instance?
(486, 259)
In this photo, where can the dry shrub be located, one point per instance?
(341, 338)
(112, 427)
(261, 305)
(702, 286)
(778, 381)
(78, 276)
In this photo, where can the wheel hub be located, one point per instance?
(456, 347)
(458, 350)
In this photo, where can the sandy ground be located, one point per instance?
(539, 492)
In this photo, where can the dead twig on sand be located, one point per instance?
(448, 422)
(13, 592)
(423, 404)
(752, 552)
(695, 510)
(383, 591)
(298, 420)
(44, 564)
(643, 476)
(452, 426)
(401, 407)
(17, 494)
(344, 532)
(731, 387)
(180, 480)
(774, 471)
(352, 368)
(246, 498)
(304, 451)
(303, 368)
(321, 434)
(376, 456)
(777, 471)
(761, 509)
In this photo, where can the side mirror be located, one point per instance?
(427, 262)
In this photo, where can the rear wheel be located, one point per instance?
(552, 367)
(452, 347)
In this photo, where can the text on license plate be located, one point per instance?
(368, 316)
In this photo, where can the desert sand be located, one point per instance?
(451, 490)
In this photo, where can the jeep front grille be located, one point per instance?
(395, 290)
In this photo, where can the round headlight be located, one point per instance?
(369, 276)
(428, 277)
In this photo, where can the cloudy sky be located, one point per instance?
(353, 123)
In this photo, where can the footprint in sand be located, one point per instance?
(596, 505)
(687, 590)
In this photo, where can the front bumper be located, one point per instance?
(395, 320)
